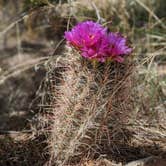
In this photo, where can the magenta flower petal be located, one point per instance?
(118, 47)
(85, 34)
(93, 42)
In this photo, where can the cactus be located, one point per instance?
(91, 102)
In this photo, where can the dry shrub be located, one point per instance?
(91, 105)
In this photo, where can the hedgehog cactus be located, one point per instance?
(93, 99)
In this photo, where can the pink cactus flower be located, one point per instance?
(93, 42)
(117, 47)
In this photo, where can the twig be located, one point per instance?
(99, 18)
(21, 68)
(2, 33)
(151, 12)
(15, 132)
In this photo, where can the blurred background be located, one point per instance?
(31, 35)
